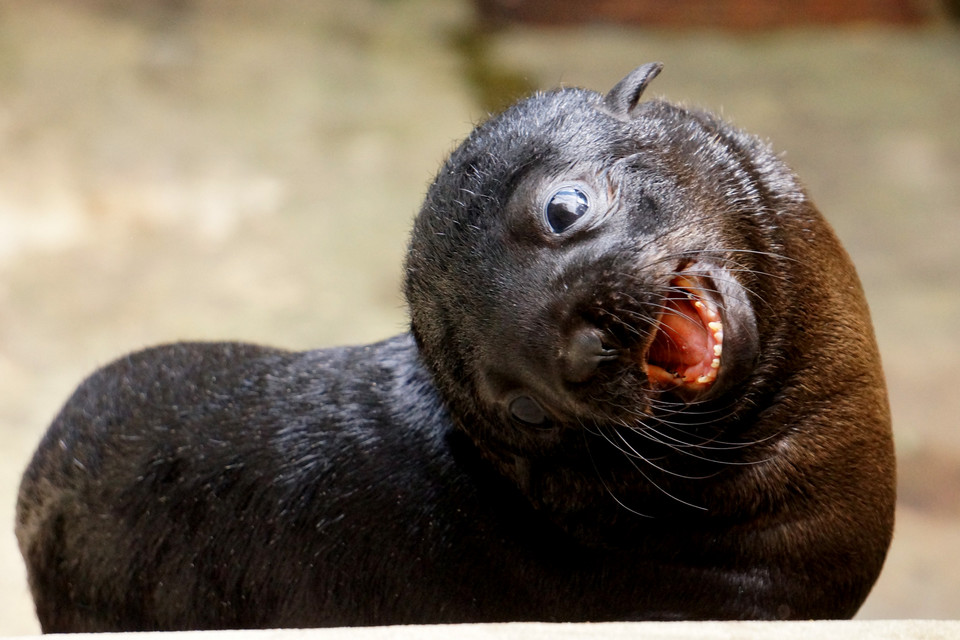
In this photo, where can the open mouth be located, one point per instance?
(687, 347)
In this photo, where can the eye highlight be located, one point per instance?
(565, 207)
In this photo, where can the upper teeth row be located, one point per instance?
(716, 328)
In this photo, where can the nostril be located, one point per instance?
(583, 353)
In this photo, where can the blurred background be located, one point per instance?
(235, 169)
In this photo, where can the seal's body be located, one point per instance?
(641, 383)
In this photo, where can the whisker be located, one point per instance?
(631, 452)
(606, 487)
(646, 477)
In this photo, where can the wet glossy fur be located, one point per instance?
(201, 486)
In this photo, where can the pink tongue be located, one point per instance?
(681, 341)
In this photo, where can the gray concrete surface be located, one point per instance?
(242, 170)
(832, 630)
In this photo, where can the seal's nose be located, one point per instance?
(583, 353)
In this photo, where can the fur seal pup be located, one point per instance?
(640, 383)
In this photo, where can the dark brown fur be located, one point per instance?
(516, 457)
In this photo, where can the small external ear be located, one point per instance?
(623, 98)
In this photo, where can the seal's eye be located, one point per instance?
(565, 207)
(526, 409)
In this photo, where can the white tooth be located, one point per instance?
(715, 364)
(705, 379)
(718, 336)
(715, 326)
(698, 305)
(717, 349)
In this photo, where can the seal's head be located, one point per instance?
(591, 269)
(576, 261)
